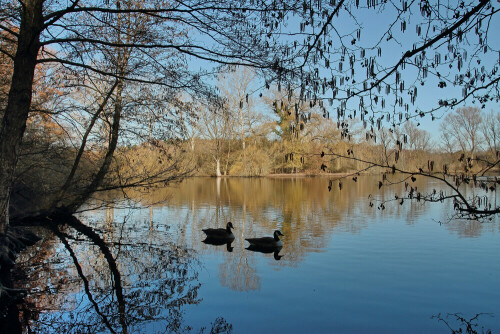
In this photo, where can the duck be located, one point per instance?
(267, 241)
(220, 233)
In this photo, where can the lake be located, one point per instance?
(345, 267)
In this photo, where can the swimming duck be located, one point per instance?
(220, 233)
(267, 241)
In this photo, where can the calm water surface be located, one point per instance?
(345, 267)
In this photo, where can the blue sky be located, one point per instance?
(373, 25)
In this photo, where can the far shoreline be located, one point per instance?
(285, 175)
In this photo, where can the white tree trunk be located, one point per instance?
(217, 171)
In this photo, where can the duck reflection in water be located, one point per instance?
(219, 242)
(267, 250)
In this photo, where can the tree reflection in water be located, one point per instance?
(77, 283)
(237, 273)
(158, 279)
(458, 323)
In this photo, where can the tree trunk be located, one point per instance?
(19, 101)
(79, 155)
(99, 177)
(242, 131)
(217, 172)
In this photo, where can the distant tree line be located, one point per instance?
(248, 136)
